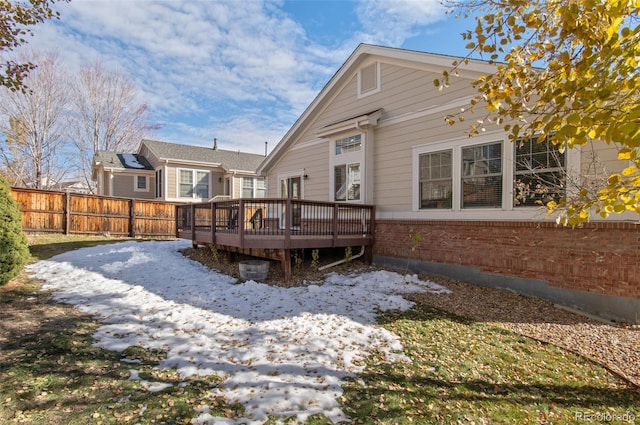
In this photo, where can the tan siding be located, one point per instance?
(393, 157)
(314, 160)
(171, 190)
(607, 157)
(105, 182)
(122, 185)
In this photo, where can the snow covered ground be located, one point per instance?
(283, 351)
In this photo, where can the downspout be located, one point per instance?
(361, 253)
(344, 260)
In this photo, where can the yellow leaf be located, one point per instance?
(629, 171)
(624, 154)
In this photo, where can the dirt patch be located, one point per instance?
(304, 270)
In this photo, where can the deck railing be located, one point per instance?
(276, 223)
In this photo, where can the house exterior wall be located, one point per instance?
(171, 180)
(591, 267)
(123, 186)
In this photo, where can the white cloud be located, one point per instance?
(392, 21)
(197, 61)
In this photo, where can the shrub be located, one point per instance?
(14, 249)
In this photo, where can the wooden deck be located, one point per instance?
(271, 228)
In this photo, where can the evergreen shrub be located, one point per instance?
(14, 249)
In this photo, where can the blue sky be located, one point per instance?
(241, 71)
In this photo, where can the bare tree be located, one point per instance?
(106, 114)
(33, 151)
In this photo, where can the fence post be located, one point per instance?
(66, 214)
(132, 218)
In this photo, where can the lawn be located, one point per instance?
(461, 371)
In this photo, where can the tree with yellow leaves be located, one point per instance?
(567, 70)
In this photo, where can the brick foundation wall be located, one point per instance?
(601, 258)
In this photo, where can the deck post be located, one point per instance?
(192, 209)
(286, 266)
(288, 215)
(334, 225)
(213, 222)
(241, 222)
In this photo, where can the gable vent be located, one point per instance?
(369, 81)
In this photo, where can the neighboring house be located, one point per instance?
(73, 186)
(178, 173)
(459, 206)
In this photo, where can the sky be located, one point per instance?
(283, 352)
(241, 71)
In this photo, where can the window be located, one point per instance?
(482, 175)
(349, 145)
(193, 184)
(347, 182)
(141, 184)
(247, 187)
(159, 183)
(539, 172)
(254, 187)
(435, 179)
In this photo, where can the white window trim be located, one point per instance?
(456, 146)
(507, 212)
(193, 182)
(254, 188)
(350, 158)
(135, 184)
(378, 81)
(287, 175)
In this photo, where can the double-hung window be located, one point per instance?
(347, 168)
(193, 184)
(539, 173)
(254, 187)
(435, 179)
(141, 184)
(482, 175)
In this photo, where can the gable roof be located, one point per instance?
(435, 62)
(230, 160)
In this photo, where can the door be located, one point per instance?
(291, 188)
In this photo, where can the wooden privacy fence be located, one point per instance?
(76, 213)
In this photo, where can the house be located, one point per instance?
(178, 173)
(446, 203)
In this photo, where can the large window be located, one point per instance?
(254, 187)
(347, 182)
(193, 184)
(435, 179)
(482, 175)
(539, 174)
